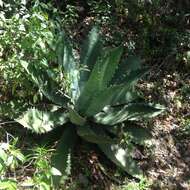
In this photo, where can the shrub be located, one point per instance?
(98, 98)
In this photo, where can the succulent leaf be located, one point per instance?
(42, 121)
(114, 95)
(68, 65)
(135, 75)
(94, 134)
(75, 118)
(121, 158)
(135, 111)
(109, 64)
(91, 100)
(132, 63)
(61, 159)
(90, 52)
(101, 75)
(139, 134)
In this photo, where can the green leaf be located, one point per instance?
(138, 111)
(121, 158)
(114, 95)
(18, 155)
(90, 52)
(45, 83)
(68, 65)
(12, 109)
(135, 111)
(61, 158)
(94, 134)
(42, 121)
(2, 165)
(8, 184)
(132, 63)
(101, 75)
(109, 65)
(75, 118)
(44, 186)
(135, 75)
(139, 134)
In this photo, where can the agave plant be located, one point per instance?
(99, 97)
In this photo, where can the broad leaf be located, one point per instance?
(68, 65)
(135, 111)
(138, 111)
(90, 52)
(135, 75)
(132, 63)
(62, 157)
(45, 83)
(94, 134)
(139, 134)
(114, 95)
(75, 118)
(121, 158)
(42, 121)
(109, 65)
(101, 75)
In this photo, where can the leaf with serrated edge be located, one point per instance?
(63, 153)
(121, 158)
(114, 95)
(139, 134)
(68, 65)
(134, 111)
(131, 64)
(94, 134)
(42, 121)
(101, 75)
(75, 118)
(90, 52)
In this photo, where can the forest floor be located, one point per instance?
(169, 165)
(166, 163)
